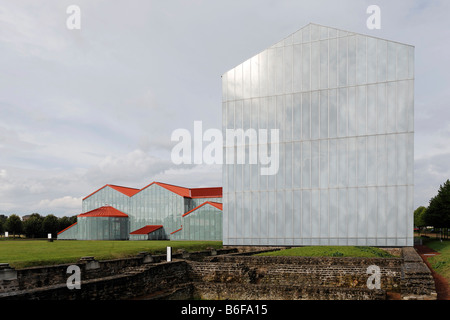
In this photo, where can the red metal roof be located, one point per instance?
(215, 192)
(67, 228)
(177, 230)
(125, 190)
(147, 229)
(206, 193)
(106, 211)
(214, 204)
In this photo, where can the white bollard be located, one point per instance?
(169, 254)
(6, 234)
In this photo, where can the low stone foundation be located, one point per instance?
(224, 274)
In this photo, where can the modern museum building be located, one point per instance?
(158, 211)
(343, 107)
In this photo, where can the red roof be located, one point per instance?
(177, 230)
(106, 211)
(67, 228)
(215, 192)
(214, 204)
(125, 190)
(181, 191)
(147, 229)
(206, 193)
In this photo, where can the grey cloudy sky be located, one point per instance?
(83, 108)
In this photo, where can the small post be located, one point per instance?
(49, 236)
(169, 254)
(6, 234)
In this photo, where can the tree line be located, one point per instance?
(437, 214)
(35, 226)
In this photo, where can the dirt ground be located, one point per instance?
(442, 285)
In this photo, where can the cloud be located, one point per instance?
(128, 169)
(66, 202)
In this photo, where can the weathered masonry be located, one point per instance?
(224, 274)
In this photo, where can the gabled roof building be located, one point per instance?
(154, 212)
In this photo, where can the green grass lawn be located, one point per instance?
(26, 253)
(440, 263)
(331, 251)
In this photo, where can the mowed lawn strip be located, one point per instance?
(440, 263)
(331, 251)
(28, 253)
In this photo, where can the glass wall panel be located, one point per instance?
(333, 213)
(306, 214)
(297, 165)
(315, 115)
(402, 62)
(324, 223)
(306, 116)
(371, 60)
(361, 60)
(288, 69)
(306, 164)
(315, 163)
(315, 213)
(323, 64)
(315, 65)
(332, 163)
(342, 61)
(324, 114)
(306, 65)
(323, 164)
(297, 69)
(342, 214)
(391, 61)
(332, 114)
(351, 61)
(361, 110)
(342, 162)
(372, 109)
(333, 63)
(382, 60)
(342, 113)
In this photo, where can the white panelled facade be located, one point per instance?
(344, 107)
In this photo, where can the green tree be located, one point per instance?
(50, 225)
(14, 224)
(438, 212)
(33, 226)
(419, 217)
(2, 222)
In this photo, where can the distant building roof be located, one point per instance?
(125, 190)
(106, 211)
(67, 228)
(147, 229)
(214, 204)
(215, 192)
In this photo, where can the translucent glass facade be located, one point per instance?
(102, 228)
(69, 233)
(152, 205)
(344, 107)
(106, 196)
(156, 206)
(204, 223)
